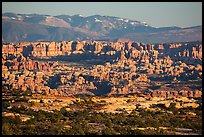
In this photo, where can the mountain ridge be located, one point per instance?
(77, 27)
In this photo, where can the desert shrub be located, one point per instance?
(109, 131)
(7, 129)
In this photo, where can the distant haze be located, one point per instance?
(156, 14)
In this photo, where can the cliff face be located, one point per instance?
(124, 49)
(128, 67)
(52, 49)
(176, 93)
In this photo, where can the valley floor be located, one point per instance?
(33, 114)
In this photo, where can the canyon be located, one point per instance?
(104, 68)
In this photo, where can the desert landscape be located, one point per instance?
(123, 77)
(101, 68)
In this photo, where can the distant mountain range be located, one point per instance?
(35, 27)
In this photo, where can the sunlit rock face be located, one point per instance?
(123, 67)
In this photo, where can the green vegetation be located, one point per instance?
(84, 120)
(91, 123)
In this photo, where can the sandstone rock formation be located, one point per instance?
(129, 68)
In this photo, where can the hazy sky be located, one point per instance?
(156, 14)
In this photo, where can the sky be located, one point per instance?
(156, 14)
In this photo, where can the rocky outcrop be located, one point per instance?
(130, 68)
(142, 78)
(166, 92)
